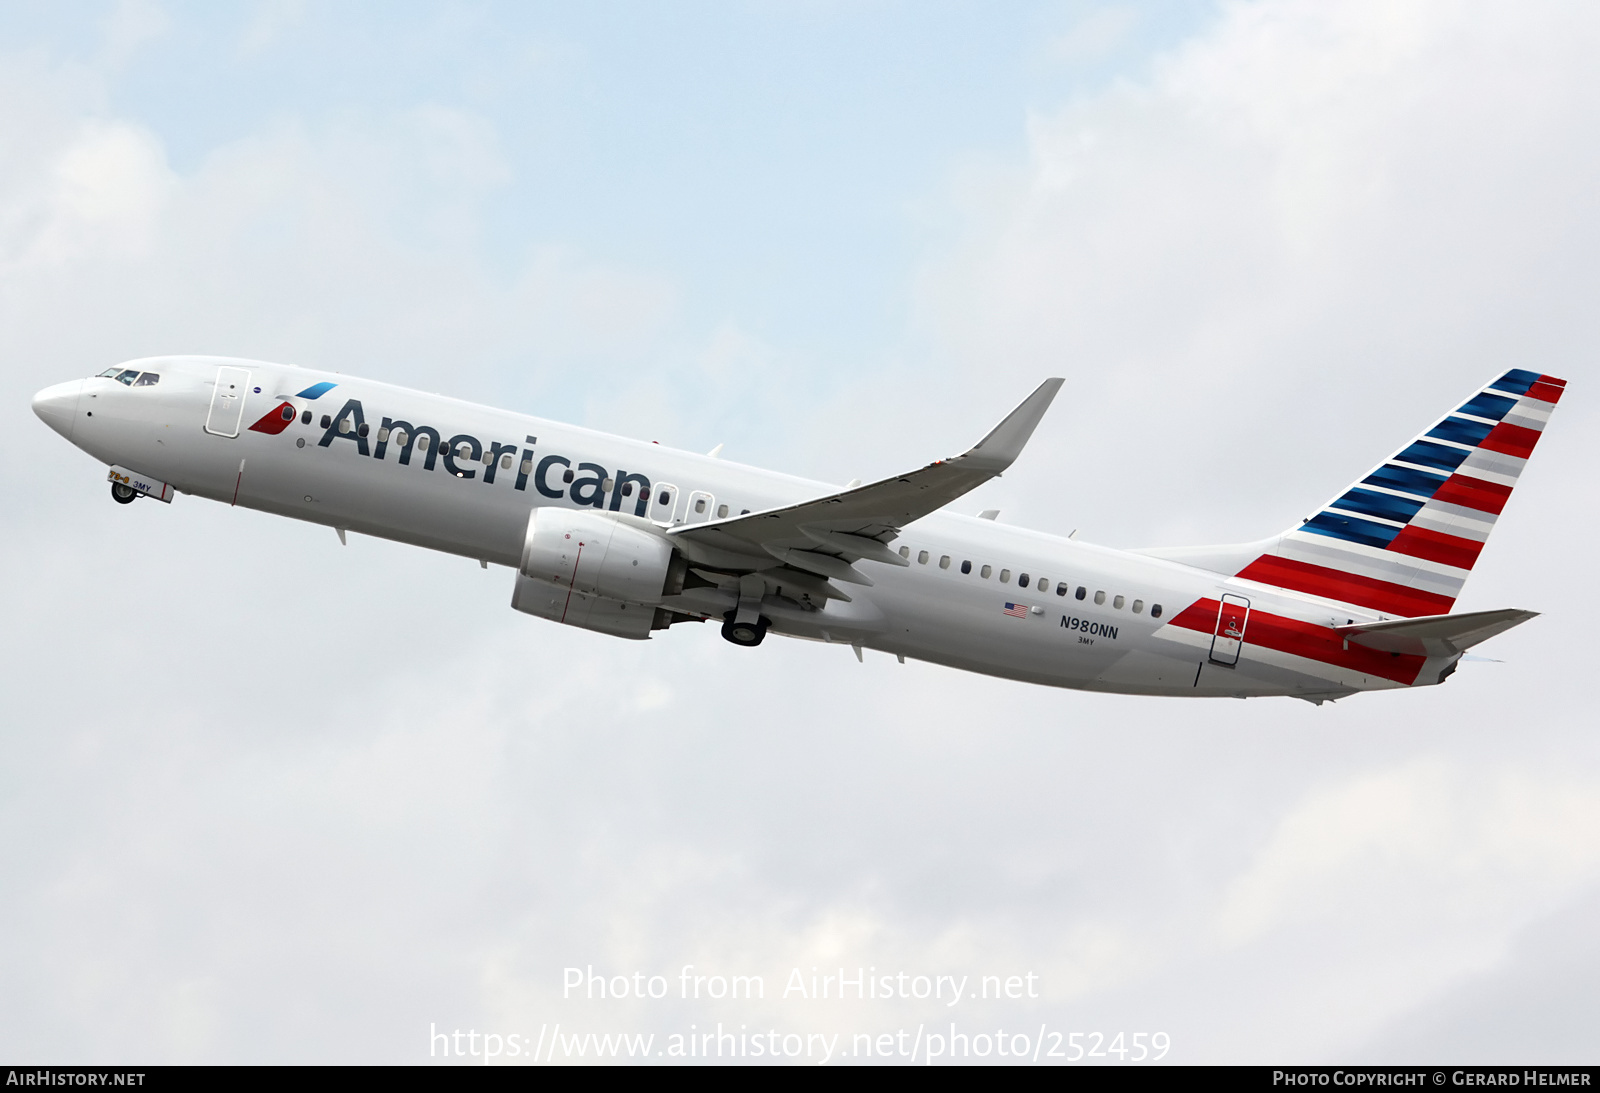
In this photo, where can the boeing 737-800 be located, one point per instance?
(628, 538)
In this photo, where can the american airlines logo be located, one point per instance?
(465, 456)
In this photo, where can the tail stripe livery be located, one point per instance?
(1402, 540)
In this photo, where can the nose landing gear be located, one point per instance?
(744, 633)
(123, 495)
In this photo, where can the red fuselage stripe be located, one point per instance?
(1303, 639)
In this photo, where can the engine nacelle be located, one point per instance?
(566, 605)
(596, 571)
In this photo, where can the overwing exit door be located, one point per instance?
(663, 503)
(698, 508)
(227, 402)
(1229, 635)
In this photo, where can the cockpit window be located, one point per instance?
(149, 379)
(109, 372)
(127, 376)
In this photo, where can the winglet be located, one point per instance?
(1000, 448)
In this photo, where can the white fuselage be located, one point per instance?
(936, 609)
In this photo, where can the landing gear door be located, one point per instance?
(1229, 635)
(697, 510)
(227, 402)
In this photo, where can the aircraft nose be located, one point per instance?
(57, 406)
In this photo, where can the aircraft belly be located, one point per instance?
(974, 632)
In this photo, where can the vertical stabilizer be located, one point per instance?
(1402, 540)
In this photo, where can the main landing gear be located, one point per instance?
(123, 495)
(744, 633)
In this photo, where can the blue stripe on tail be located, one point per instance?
(1351, 528)
(1406, 480)
(1385, 506)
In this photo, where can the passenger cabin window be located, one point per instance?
(699, 504)
(644, 493)
(422, 441)
(605, 487)
(364, 429)
(150, 379)
(1138, 607)
(665, 498)
(1082, 592)
(1043, 586)
(905, 552)
(1155, 611)
(984, 573)
(383, 436)
(305, 418)
(1005, 576)
(288, 413)
(722, 512)
(1099, 597)
(966, 567)
(944, 561)
(527, 468)
(922, 557)
(505, 463)
(1022, 581)
(327, 420)
(627, 489)
(344, 425)
(1118, 602)
(1062, 588)
(567, 475)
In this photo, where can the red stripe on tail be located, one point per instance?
(1436, 546)
(1508, 439)
(1473, 493)
(1333, 584)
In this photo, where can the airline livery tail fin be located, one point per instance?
(1402, 540)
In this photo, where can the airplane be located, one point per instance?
(628, 538)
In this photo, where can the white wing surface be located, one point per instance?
(826, 535)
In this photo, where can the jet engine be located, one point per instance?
(597, 571)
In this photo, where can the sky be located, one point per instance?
(267, 798)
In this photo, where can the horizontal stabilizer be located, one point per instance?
(1434, 635)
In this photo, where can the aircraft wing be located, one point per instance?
(1434, 635)
(825, 535)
